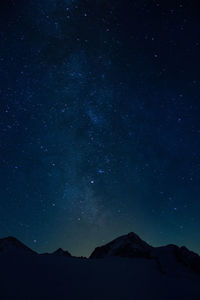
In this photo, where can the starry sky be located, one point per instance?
(99, 122)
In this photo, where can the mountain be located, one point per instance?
(10, 245)
(129, 269)
(130, 245)
(61, 252)
(170, 258)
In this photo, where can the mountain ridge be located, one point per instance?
(169, 258)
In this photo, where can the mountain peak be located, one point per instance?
(129, 245)
(168, 258)
(12, 245)
(62, 252)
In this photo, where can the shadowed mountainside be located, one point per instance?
(129, 269)
(11, 244)
(167, 257)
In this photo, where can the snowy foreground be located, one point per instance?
(127, 268)
(51, 277)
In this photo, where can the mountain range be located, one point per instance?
(125, 268)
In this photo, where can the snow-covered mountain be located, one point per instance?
(130, 245)
(129, 269)
(170, 258)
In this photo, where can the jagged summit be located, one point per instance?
(130, 245)
(167, 272)
(62, 252)
(169, 259)
(11, 244)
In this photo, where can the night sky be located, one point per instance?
(99, 122)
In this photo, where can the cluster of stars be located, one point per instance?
(99, 122)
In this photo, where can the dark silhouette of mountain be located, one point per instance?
(169, 258)
(12, 245)
(180, 255)
(62, 252)
(129, 268)
(130, 245)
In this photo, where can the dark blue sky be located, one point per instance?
(99, 122)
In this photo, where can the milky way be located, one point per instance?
(99, 122)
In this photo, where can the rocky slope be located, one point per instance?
(169, 258)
